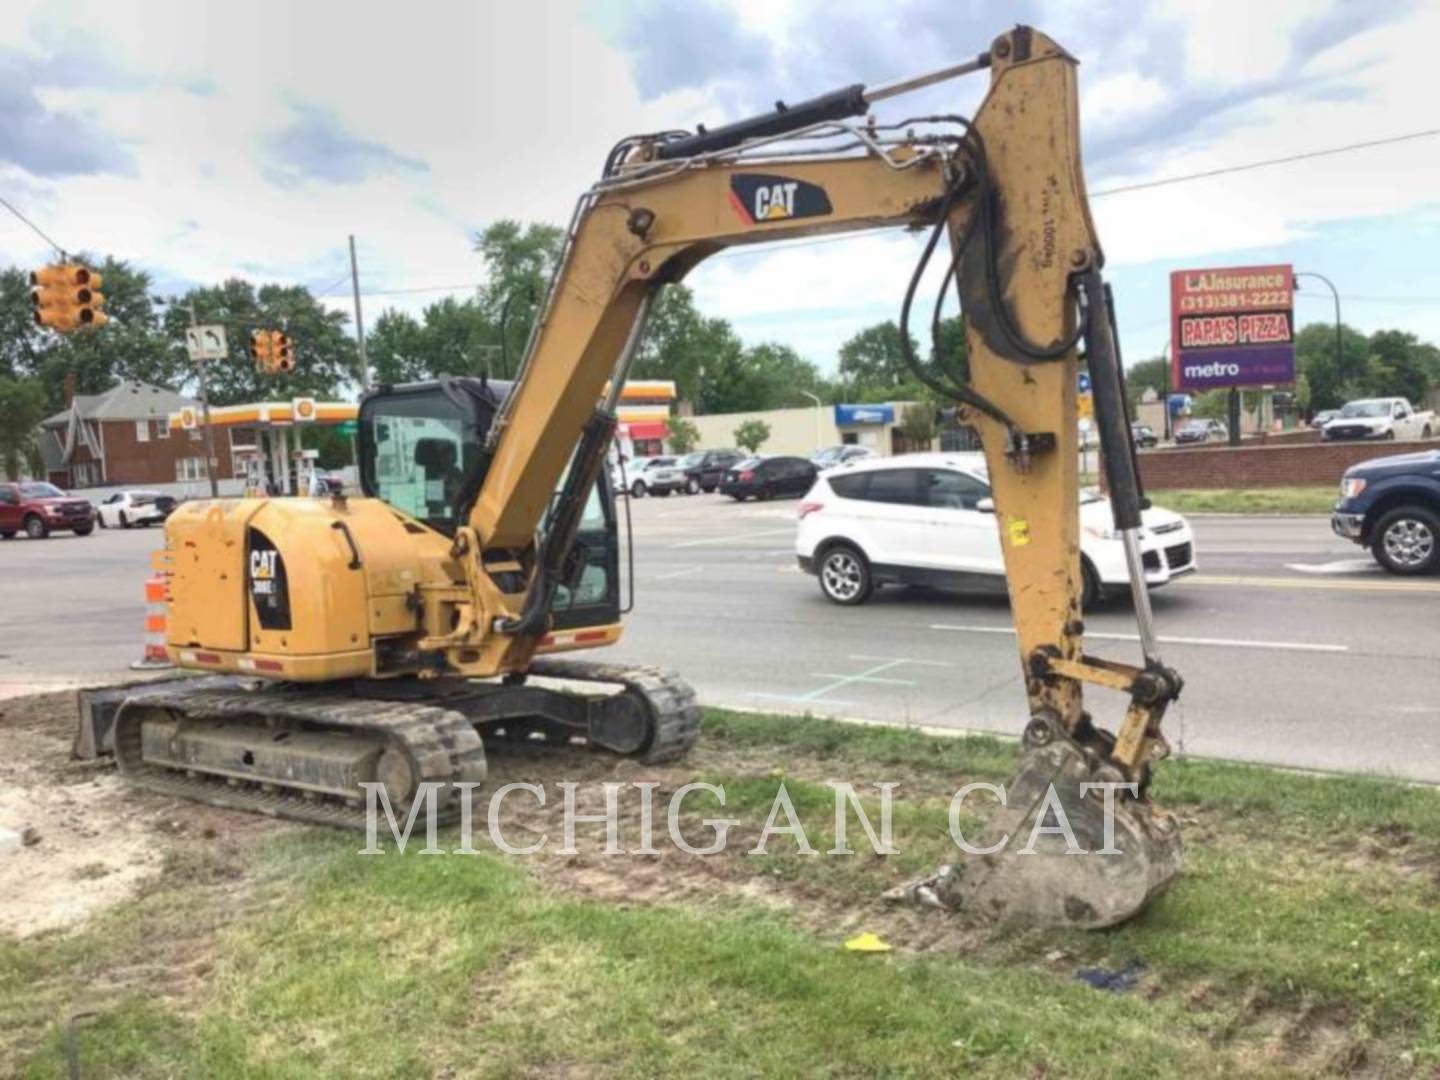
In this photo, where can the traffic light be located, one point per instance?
(280, 346)
(67, 297)
(260, 350)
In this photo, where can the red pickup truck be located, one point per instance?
(38, 509)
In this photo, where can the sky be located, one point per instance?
(201, 140)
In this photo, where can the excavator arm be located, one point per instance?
(1007, 188)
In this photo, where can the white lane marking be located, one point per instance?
(1224, 643)
(901, 659)
(837, 681)
(732, 538)
(863, 678)
(1338, 566)
(679, 573)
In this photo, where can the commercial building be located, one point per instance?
(802, 431)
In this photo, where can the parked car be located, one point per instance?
(704, 469)
(656, 476)
(1144, 435)
(1391, 505)
(1379, 418)
(1199, 431)
(838, 455)
(38, 509)
(769, 478)
(928, 519)
(1323, 417)
(127, 508)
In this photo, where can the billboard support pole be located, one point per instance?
(1232, 416)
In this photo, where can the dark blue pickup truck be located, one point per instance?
(1392, 506)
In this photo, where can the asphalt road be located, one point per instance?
(1295, 648)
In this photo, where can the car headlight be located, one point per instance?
(1351, 486)
(1102, 532)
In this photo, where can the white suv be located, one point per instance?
(927, 519)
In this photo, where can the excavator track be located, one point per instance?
(670, 699)
(440, 746)
(218, 746)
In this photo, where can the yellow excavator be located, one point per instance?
(388, 633)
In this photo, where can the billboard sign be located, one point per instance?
(1232, 327)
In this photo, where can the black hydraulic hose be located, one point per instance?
(1124, 394)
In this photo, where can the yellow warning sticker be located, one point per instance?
(1019, 532)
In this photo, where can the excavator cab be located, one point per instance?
(421, 449)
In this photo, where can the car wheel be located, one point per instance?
(692, 486)
(1407, 541)
(100, 520)
(1390, 435)
(1089, 586)
(738, 498)
(845, 576)
(637, 489)
(1425, 432)
(7, 536)
(124, 521)
(86, 531)
(36, 529)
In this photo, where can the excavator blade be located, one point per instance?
(1061, 858)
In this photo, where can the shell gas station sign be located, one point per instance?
(1232, 327)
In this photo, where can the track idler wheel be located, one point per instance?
(1092, 862)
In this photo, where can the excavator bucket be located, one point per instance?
(1063, 851)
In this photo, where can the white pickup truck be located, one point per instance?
(1379, 418)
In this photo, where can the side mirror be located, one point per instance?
(985, 505)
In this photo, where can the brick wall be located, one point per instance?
(130, 461)
(1271, 465)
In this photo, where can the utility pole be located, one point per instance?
(359, 318)
(1339, 346)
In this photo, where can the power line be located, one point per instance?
(331, 288)
(38, 231)
(1429, 133)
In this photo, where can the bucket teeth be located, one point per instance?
(1062, 851)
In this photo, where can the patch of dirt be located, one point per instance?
(672, 875)
(96, 842)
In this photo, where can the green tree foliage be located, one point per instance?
(917, 424)
(1152, 374)
(22, 407)
(874, 360)
(683, 435)
(519, 261)
(1332, 381)
(325, 355)
(751, 434)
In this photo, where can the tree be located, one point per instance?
(519, 262)
(325, 355)
(917, 424)
(1328, 377)
(874, 359)
(22, 407)
(751, 435)
(1152, 374)
(684, 436)
(397, 349)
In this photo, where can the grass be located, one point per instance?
(1277, 500)
(1302, 938)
